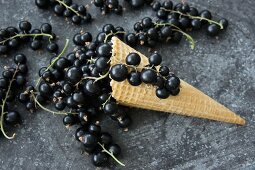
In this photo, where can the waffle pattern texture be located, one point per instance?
(189, 102)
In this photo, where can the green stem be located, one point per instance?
(112, 33)
(194, 17)
(188, 37)
(68, 7)
(27, 35)
(46, 109)
(111, 154)
(53, 62)
(3, 105)
(110, 95)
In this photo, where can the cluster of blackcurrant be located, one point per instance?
(166, 82)
(77, 13)
(188, 18)
(80, 83)
(107, 6)
(12, 81)
(11, 38)
(149, 33)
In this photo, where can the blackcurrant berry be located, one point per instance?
(12, 118)
(155, 59)
(148, 76)
(133, 59)
(162, 93)
(134, 78)
(110, 108)
(119, 72)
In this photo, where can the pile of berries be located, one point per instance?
(11, 83)
(11, 37)
(80, 81)
(188, 18)
(108, 6)
(167, 83)
(76, 13)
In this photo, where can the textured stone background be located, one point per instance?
(223, 68)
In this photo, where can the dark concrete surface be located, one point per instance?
(224, 68)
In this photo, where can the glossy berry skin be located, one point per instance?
(99, 159)
(20, 59)
(114, 149)
(119, 72)
(152, 33)
(3, 83)
(69, 120)
(42, 3)
(134, 78)
(110, 108)
(74, 74)
(133, 59)
(148, 76)
(94, 129)
(162, 93)
(91, 88)
(102, 98)
(76, 19)
(12, 118)
(104, 50)
(160, 82)
(25, 26)
(213, 30)
(80, 132)
(131, 39)
(78, 98)
(162, 14)
(60, 105)
(59, 9)
(89, 140)
(172, 83)
(86, 37)
(166, 31)
(102, 64)
(52, 47)
(196, 24)
(155, 59)
(156, 5)
(36, 44)
(147, 23)
(224, 23)
(205, 14)
(108, 28)
(167, 5)
(46, 28)
(45, 89)
(136, 3)
(105, 138)
(164, 70)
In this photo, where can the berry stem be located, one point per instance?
(68, 7)
(188, 37)
(26, 35)
(111, 154)
(112, 33)
(53, 62)
(194, 17)
(46, 109)
(3, 105)
(110, 95)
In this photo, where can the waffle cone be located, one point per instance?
(189, 102)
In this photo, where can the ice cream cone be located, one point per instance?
(189, 102)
